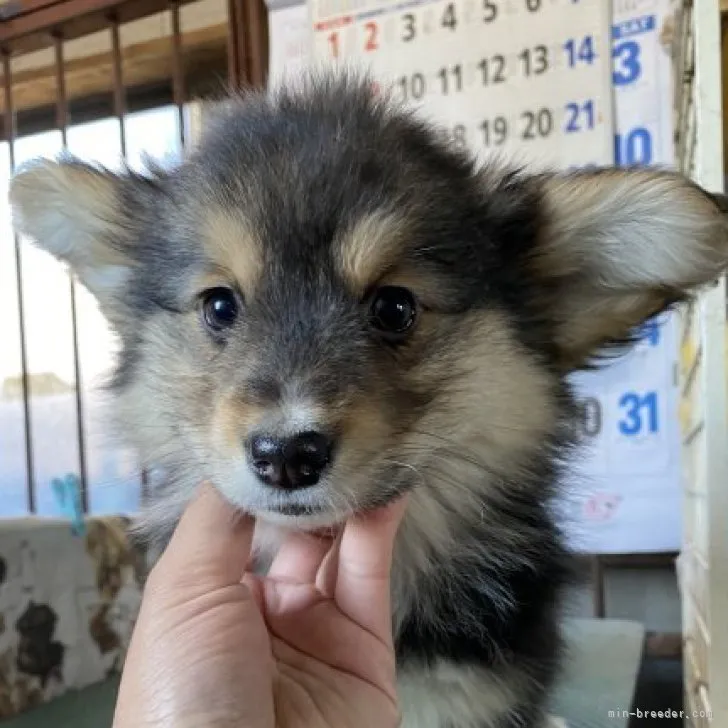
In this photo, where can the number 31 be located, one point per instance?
(635, 407)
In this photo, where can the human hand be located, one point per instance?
(308, 645)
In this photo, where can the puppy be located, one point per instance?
(324, 307)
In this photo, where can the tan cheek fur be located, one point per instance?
(495, 397)
(366, 432)
(496, 409)
(169, 394)
(232, 421)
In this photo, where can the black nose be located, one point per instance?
(295, 462)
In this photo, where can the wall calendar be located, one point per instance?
(530, 79)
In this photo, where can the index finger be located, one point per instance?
(362, 589)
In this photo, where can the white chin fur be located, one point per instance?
(243, 491)
(301, 523)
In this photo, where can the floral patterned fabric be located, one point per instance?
(68, 604)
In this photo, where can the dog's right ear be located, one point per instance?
(75, 212)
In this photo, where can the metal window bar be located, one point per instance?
(178, 72)
(31, 26)
(62, 123)
(25, 384)
(118, 81)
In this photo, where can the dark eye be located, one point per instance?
(393, 310)
(219, 308)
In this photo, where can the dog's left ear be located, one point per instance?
(618, 246)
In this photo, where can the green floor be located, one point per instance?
(600, 676)
(89, 708)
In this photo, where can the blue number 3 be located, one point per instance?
(627, 55)
(632, 423)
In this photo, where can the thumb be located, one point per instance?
(210, 546)
(196, 614)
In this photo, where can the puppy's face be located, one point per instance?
(323, 307)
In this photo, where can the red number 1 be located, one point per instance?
(334, 42)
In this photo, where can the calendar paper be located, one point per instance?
(288, 32)
(626, 491)
(527, 78)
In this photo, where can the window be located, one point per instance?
(113, 476)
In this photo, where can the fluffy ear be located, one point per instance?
(618, 247)
(74, 212)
